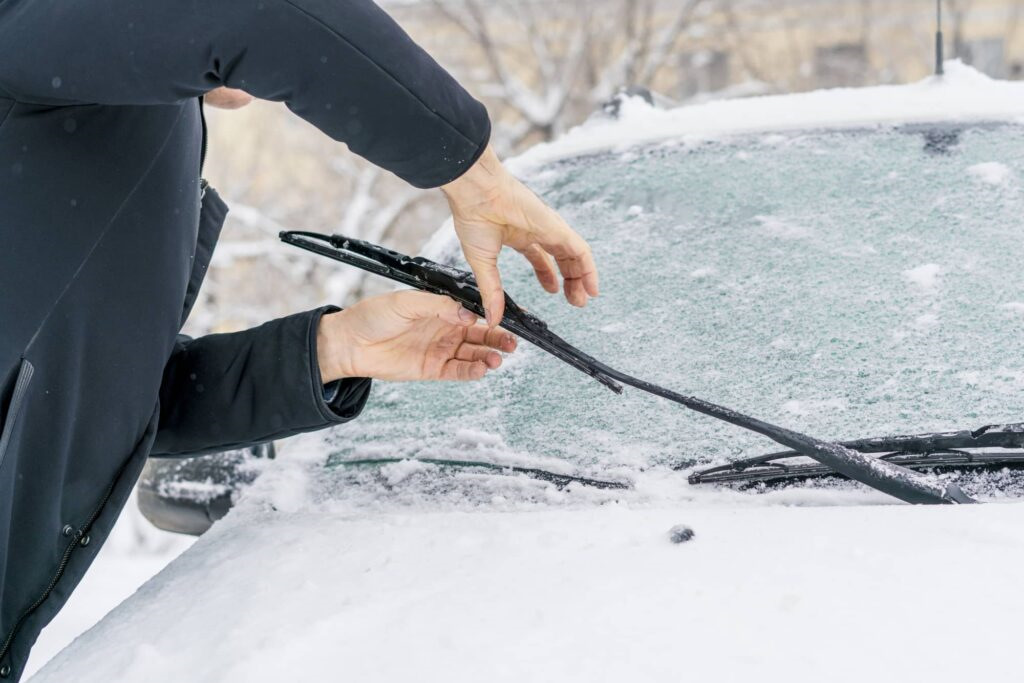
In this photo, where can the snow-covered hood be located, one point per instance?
(774, 594)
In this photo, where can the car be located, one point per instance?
(186, 495)
(844, 263)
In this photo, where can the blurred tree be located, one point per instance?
(550, 64)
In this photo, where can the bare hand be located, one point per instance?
(408, 336)
(491, 208)
(227, 98)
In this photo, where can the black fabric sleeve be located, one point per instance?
(343, 65)
(225, 391)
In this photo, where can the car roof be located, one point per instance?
(963, 94)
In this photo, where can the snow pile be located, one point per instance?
(963, 94)
(1014, 307)
(777, 227)
(991, 172)
(925, 277)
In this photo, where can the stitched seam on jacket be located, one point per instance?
(21, 385)
(7, 114)
(387, 73)
(106, 229)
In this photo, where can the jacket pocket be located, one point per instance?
(14, 408)
(212, 213)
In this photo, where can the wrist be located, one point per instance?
(334, 349)
(482, 175)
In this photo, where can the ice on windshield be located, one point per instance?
(844, 284)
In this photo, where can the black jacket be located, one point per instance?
(101, 249)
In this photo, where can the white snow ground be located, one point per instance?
(804, 585)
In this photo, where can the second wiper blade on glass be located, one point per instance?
(921, 452)
(426, 275)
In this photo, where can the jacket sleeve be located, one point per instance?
(343, 65)
(227, 391)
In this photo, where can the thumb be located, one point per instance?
(421, 305)
(488, 279)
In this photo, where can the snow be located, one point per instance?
(925, 277)
(962, 94)
(777, 227)
(698, 273)
(801, 275)
(811, 407)
(991, 172)
(795, 594)
(1014, 307)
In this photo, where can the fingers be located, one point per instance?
(476, 352)
(577, 266)
(493, 337)
(492, 209)
(576, 292)
(570, 251)
(456, 370)
(420, 305)
(542, 266)
(477, 355)
(485, 268)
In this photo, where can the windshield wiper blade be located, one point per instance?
(560, 481)
(920, 452)
(991, 436)
(426, 275)
(775, 471)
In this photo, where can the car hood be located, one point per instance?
(586, 595)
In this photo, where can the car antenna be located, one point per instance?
(428, 276)
(938, 38)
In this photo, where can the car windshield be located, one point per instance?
(842, 283)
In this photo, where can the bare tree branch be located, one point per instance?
(667, 40)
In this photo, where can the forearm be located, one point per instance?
(230, 390)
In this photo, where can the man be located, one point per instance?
(105, 233)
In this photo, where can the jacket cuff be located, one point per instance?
(444, 173)
(338, 401)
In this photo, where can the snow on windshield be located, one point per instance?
(844, 284)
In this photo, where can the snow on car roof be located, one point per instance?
(962, 94)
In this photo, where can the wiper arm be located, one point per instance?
(426, 275)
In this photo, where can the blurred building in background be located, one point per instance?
(543, 66)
